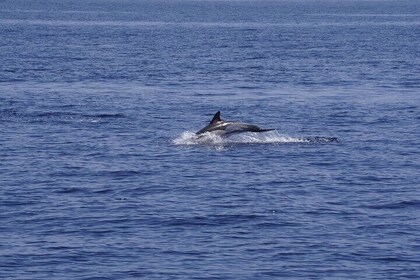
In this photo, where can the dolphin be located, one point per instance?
(227, 128)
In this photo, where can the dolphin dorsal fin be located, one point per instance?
(216, 118)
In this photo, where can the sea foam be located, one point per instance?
(211, 139)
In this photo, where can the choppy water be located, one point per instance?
(102, 177)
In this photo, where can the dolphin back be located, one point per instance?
(244, 127)
(227, 128)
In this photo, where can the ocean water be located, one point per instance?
(102, 177)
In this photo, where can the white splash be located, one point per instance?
(212, 139)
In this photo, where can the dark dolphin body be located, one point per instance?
(227, 128)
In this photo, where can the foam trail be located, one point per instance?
(271, 137)
(190, 138)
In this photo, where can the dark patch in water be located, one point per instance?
(55, 116)
(105, 116)
(397, 205)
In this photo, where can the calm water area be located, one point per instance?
(102, 176)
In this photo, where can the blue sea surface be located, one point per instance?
(102, 176)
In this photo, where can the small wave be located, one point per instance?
(189, 138)
(397, 205)
(58, 116)
(117, 115)
(213, 220)
(51, 114)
